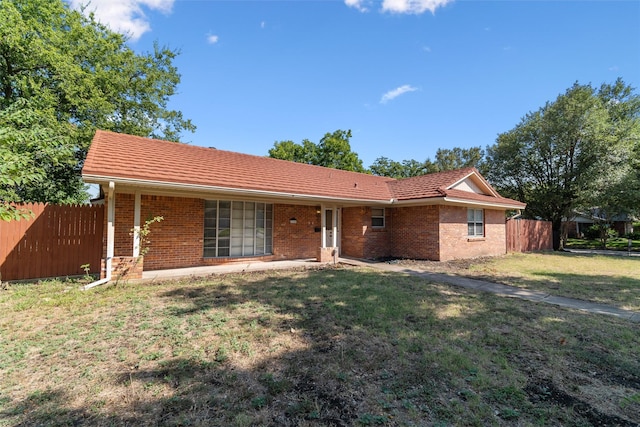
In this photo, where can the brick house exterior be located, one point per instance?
(219, 207)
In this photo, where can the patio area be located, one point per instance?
(236, 267)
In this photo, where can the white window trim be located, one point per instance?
(384, 221)
(475, 223)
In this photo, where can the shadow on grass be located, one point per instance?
(339, 347)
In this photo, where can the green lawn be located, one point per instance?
(328, 347)
(616, 244)
(605, 279)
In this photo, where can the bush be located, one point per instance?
(633, 236)
(592, 233)
(595, 232)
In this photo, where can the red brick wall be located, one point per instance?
(126, 268)
(360, 239)
(123, 225)
(455, 243)
(177, 240)
(414, 232)
(418, 232)
(300, 240)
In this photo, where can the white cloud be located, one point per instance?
(263, 24)
(212, 39)
(124, 16)
(412, 6)
(357, 4)
(392, 94)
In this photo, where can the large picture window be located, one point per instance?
(475, 222)
(235, 229)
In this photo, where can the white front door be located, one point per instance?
(328, 220)
(331, 227)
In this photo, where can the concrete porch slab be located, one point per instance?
(236, 267)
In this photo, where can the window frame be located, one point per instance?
(378, 217)
(474, 224)
(225, 229)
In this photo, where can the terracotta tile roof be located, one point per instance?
(115, 156)
(429, 185)
(437, 185)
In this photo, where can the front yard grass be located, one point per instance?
(611, 280)
(616, 244)
(329, 347)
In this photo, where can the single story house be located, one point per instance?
(222, 206)
(578, 225)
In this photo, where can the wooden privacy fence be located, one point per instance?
(55, 242)
(528, 235)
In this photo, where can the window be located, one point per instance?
(234, 229)
(377, 217)
(475, 222)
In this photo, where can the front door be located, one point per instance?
(328, 217)
(332, 225)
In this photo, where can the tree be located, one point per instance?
(74, 70)
(33, 147)
(384, 166)
(618, 190)
(333, 151)
(446, 159)
(459, 158)
(556, 157)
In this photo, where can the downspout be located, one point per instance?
(111, 213)
(517, 215)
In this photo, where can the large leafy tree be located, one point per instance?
(34, 148)
(566, 154)
(384, 166)
(73, 75)
(446, 159)
(458, 158)
(333, 151)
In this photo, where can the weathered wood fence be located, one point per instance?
(55, 242)
(528, 235)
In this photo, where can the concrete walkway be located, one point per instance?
(504, 290)
(464, 282)
(236, 267)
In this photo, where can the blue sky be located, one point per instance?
(406, 76)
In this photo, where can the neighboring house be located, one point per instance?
(581, 222)
(221, 206)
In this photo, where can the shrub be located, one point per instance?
(600, 231)
(592, 233)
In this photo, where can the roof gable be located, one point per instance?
(467, 185)
(437, 184)
(473, 183)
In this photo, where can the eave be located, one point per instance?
(130, 185)
(453, 201)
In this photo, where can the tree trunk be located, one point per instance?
(556, 227)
